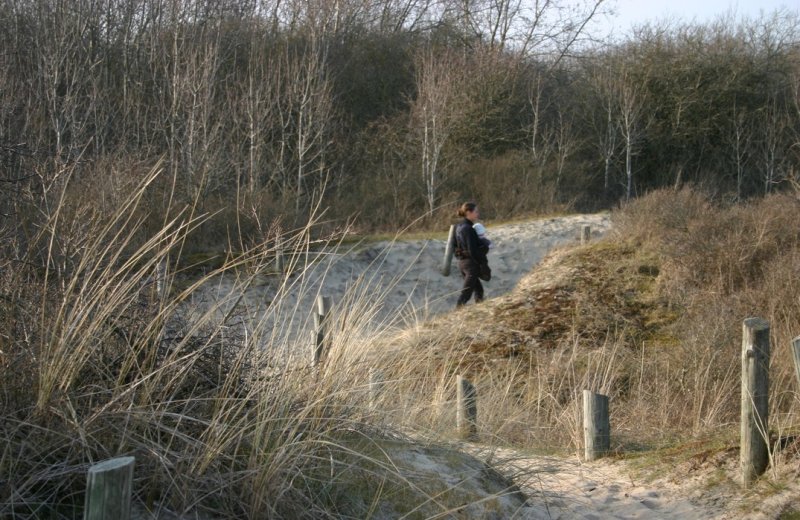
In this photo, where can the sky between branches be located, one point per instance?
(629, 13)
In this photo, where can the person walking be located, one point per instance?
(472, 261)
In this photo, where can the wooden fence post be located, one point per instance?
(320, 327)
(280, 264)
(586, 233)
(449, 250)
(796, 358)
(467, 409)
(596, 425)
(754, 455)
(109, 486)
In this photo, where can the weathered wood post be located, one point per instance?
(280, 263)
(467, 409)
(596, 425)
(320, 327)
(449, 250)
(754, 455)
(586, 233)
(796, 358)
(376, 382)
(109, 485)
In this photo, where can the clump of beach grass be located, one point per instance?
(103, 355)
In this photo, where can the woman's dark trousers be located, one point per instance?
(472, 284)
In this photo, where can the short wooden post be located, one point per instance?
(586, 233)
(754, 455)
(467, 409)
(108, 490)
(449, 250)
(596, 425)
(796, 358)
(376, 382)
(280, 264)
(320, 327)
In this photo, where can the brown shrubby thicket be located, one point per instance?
(385, 109)
(727, 250)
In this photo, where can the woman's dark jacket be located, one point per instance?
(468, 245)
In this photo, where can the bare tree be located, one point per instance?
(65, 64)
(304, 115)
(435, 113)
(773, 125)
(254, 102)
(394, 16)
(539, 135)
(566, 142)
(600, 113)
(550, 27)
(192, 85)
(740, 142)
(631, 118)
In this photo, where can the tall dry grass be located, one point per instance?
(105, 353)
(227, 418)
(718, 266)
(531, 402)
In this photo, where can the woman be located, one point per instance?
(471, 256)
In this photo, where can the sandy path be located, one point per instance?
(399, 281)
(561, 488)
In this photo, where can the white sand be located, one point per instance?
(560, 488)
(396, 282)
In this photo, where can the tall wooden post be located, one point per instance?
(467, 409)
(320, 327)
(586, 233)
(796, 358)
(596, 425)
(108, 490)
(754, 456)
(449, 250)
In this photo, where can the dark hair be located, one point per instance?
(467, 206)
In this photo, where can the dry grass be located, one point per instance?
(225, 424)
(96, 363)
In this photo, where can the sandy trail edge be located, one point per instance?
(565, 488)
